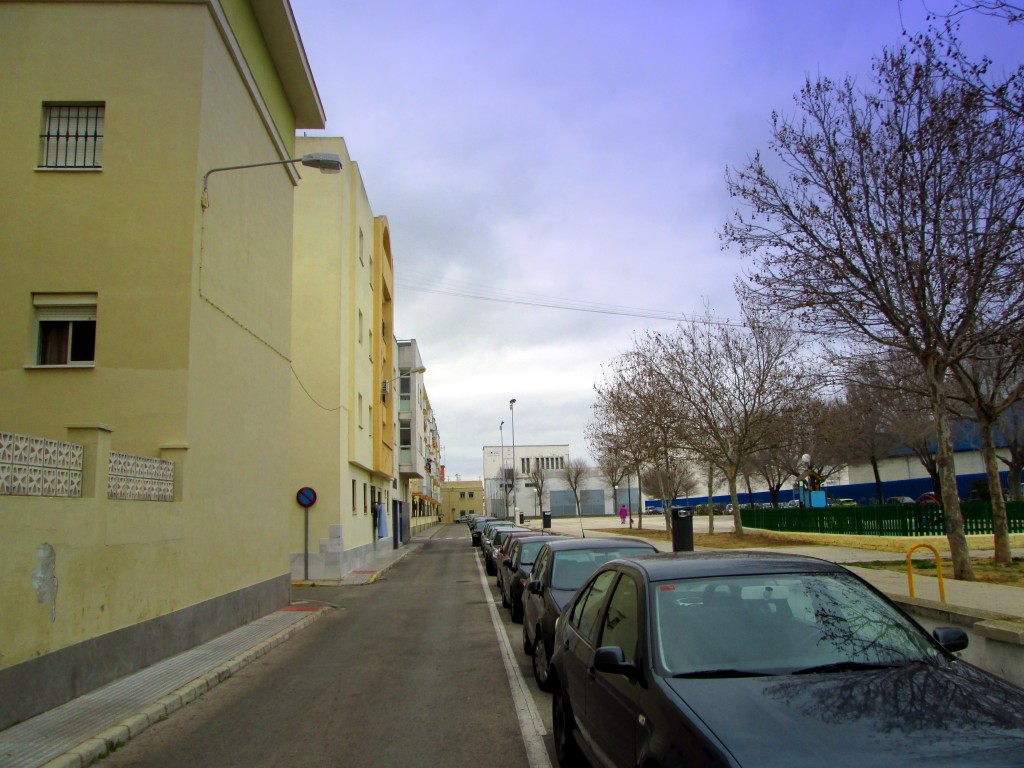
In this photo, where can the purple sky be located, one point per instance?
(573, 151)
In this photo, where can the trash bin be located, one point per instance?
(682, 529)
(522, 518)
(546, 520)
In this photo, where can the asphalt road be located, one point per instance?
(408, 671)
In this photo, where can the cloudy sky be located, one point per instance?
(542, 154)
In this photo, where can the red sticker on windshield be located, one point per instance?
(667, 588)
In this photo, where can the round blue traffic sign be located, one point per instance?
(306, 497)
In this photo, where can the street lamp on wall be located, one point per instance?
(325, 162)
(385, 386)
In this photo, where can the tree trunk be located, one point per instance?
(711, 504)
(1013, 476)
(878, 479)
(1000, 525)
(639, 501)
(737, 516)
(958, 549)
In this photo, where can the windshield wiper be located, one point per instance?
(722, 673)
(844, 666)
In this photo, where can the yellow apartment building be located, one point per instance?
(343, 357)
(146, 353)
(461, 497)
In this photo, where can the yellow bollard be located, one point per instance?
(938, 569)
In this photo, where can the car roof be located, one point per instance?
(688, 565)
(540, 537)
(569, 544)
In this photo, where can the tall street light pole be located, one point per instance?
(504, 492)
(512, 407)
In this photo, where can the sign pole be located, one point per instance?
(306, 498)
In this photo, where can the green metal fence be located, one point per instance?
(900, 520)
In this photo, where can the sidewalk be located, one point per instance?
(969, 595)
(86, 729)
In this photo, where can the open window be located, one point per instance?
(65, 329)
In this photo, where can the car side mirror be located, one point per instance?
(611, 660)
(535, 587)
(508, 563)
(953, 639)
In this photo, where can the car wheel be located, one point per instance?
(489, 568)
(541, 673)
(504, 600)
(517, 611)
(564, 725)
(527, 645)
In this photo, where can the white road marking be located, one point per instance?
(530, 724)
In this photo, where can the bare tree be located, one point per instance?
(538, 477)
(1012, 13)
(627, 401)
(899, 224)
(871, 415)
(668, 481)
(611, 464)
(991, 382)
(823, 432)
(776, 463)
(732, 382)
(575, 473)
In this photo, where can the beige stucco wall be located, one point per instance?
(452, 506)
(337, 385)
(193, 315)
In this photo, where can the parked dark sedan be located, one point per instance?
(744, 659)
(516, 571)
(561, 567)
(491, 546)
(477, 529)
(502, 552)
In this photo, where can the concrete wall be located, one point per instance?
(996, 642)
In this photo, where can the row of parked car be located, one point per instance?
(738, 658)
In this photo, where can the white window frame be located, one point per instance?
(71, 308)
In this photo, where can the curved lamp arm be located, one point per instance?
(325, 162)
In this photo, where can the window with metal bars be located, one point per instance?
(72, 136)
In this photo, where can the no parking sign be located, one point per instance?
(306, 498)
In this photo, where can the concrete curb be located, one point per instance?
(98, 747)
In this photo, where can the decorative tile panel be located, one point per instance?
(35, 466)
(140, 478)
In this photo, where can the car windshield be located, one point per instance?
(570, 569)
(779, 624)
(528, 553)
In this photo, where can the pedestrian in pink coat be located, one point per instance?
(623, 514)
